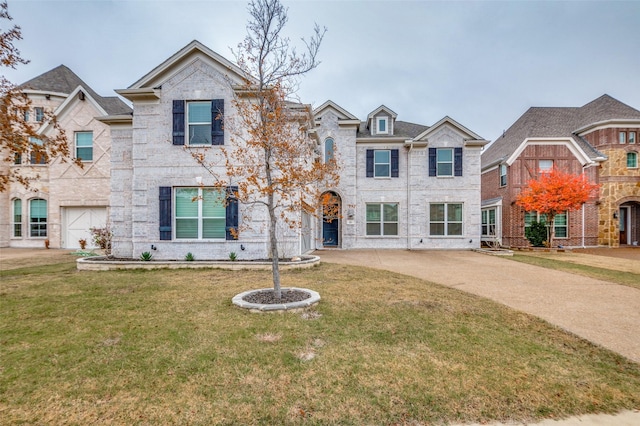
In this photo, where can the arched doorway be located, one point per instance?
(629, 223)
(331, 208)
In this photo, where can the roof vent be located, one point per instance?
(81, 95)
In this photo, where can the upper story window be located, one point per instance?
(445, 162)
(16, 218)
(632, 160)
(38, 218)
(632, 137)
(383, 163)
(200, 122)
(26, 115)
(38, 156)
(622, 137)
(39, 113)
(503, 174)
(382, 125)
(328, 150)
(545, 166)
(84, 146)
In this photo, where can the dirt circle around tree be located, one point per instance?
(292, 299)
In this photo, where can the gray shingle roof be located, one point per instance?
(62, 80)
(401, 129)
(544, 122)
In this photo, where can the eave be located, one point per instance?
(144, 94)
(116, 119)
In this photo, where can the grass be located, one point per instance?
(168, 347)
(619, 277)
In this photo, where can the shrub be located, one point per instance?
(189, 257)
(536, 233)
(233, 256)
(102, 237)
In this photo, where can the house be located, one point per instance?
(66, 200)
(599, 140)
(403, 185)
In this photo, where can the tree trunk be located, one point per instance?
(273, 242)
(552, 233)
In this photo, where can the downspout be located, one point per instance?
(409, 197)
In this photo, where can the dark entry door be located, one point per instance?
(624, 217)
(330, 232)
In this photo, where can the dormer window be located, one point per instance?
(382, 125)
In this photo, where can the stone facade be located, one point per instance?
(76, 197)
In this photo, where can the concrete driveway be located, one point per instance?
(604, 313)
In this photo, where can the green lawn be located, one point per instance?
(168, 347)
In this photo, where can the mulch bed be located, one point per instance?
(268, 297)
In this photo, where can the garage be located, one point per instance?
(76, 224)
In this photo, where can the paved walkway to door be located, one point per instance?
(599, 311)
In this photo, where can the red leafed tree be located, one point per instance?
(20, 138)
(554, 193)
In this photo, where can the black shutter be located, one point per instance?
(370, 163)
(165, 213)
(457, 161)
(232, 213)
(217, 122)
(395, 163)
(178, 122)
(432, 161)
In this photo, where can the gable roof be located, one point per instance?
(401, 130)
(380, 109)
(163, 71)
(558, 122)
(340, 112)
(64, 81)
(448, 120)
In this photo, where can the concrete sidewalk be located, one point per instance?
(604, 313)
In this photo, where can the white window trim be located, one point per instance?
(501, 175)
(200, 218)
(622, 137)
(452, 162)
(46, 223)
(13, 217)
(485, 213)
(538, 220)
(627, 160)
(382, 221)
(388, 176)
(196, 123)
(632, 140)
(446, 222)
(541, 170)
(386, 125)
(76, 144)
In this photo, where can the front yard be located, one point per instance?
(168, 347)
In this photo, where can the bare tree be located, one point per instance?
(20, 137)
(273, 160)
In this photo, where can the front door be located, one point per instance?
(331, 221)
(624, 225)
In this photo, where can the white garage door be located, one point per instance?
(77, 222)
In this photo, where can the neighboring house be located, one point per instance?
(66, 200)
(402, 185)
(600, 140)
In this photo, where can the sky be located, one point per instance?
(482, 63)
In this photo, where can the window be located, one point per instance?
(16, 218)
(503, 174)
(382, 125)
(381, 163)
(622, 137)
(382, 219)
(84, 146)
(199, 122)
(38, 155)
(632, 160)
(445, 219)
(561, 222)
(200, 213)
(38, 218)
(328, 150)
(545, 166)
(26, 115)
(39, 113)
(444, 160)
(632, 137)
(489, 223)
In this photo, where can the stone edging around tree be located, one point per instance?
(281, 307)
